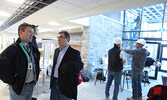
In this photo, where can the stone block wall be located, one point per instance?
(101, 34)
(85, 46)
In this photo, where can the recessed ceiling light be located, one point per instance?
(81, 21)
(3, 13)
(16, 1)
(69, 27)
(45, 29)
(54, 23)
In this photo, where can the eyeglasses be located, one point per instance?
(60, 37)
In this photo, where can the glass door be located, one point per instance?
(164, 58)
(153, 48)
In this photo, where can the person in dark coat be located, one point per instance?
(36, 32)
(66, 67)
(19, 65)
(34, 42)
(150, 61)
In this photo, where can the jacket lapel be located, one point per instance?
(66, 56)
(57, 51)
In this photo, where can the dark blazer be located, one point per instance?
(68, 70)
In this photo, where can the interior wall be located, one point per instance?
(85, 46)
(77, 47)
(6, 39)
(102, 32)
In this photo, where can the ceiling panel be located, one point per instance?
(64, 10)
(105, 1)
(64, 5)
(82, 3)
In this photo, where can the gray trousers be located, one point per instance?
(25, 95)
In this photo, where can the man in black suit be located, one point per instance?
(66, 67)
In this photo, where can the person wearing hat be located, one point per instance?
(115, 65)
(138, 62)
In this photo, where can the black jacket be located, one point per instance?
(149, 62)
(115, 63)
(14, 65)
(68, 72)
(34, 42)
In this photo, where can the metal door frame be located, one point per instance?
(158, 57)
(165, 59)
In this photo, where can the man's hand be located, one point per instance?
(122, 49)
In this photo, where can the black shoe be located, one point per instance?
(148, 82)
(131, 98)
(140, 97)
(142, 81)
(34, 98)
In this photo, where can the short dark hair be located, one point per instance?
(34, 26)
(23, 26)
(67, 35)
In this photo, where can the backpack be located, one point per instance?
(158, 92)
(79, 78)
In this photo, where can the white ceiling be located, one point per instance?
(62, 11)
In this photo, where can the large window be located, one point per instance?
(164, 34)
(149, 23)
(152, 17)
(146, 22)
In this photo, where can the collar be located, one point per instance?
(64, 48)
(24, 43)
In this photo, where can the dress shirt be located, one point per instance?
(59, 59)
(30, 73)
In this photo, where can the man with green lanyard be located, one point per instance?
(19, 65)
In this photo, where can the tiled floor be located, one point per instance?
(86, 90)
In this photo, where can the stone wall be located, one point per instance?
(101, 34)
(85, 46)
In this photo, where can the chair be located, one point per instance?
(100, 75)
(126, 76)
(145, 77)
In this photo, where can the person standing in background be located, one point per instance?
(150, 61)
(116, 60)
(138, 62)
(34, 42)
(36, 32)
